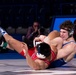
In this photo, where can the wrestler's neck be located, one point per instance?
(70, 39)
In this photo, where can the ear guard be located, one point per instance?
(71, 32)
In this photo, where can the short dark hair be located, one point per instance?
(44, 48)
(69, 26)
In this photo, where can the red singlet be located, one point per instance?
(34, 57)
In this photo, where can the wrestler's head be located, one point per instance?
(66, 29)
(43, 50)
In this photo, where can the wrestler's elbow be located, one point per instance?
(39, 67)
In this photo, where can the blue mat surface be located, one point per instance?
(10, 56)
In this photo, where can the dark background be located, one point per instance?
(23, 13)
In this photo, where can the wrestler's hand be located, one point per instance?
(36, 40)
(40, 38)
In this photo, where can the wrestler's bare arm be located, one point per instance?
(71, 56)
(65, 51)
(37, 64)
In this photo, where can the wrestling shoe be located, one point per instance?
(2, 31)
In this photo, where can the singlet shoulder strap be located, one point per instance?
(53, 55)
(68, 43)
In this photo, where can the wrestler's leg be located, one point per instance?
(53, 34)
(15, 44)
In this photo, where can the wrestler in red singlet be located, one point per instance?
(43, 51)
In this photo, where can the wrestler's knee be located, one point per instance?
(55, 31)
(24, 49)
(24, 46)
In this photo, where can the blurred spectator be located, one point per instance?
(32, 32)
(42, 30)
(74, 35)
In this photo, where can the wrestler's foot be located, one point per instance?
(3, 32)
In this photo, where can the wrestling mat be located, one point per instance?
(20, 67)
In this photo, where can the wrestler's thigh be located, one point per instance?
(17, 45)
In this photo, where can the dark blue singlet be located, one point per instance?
(59, 62)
